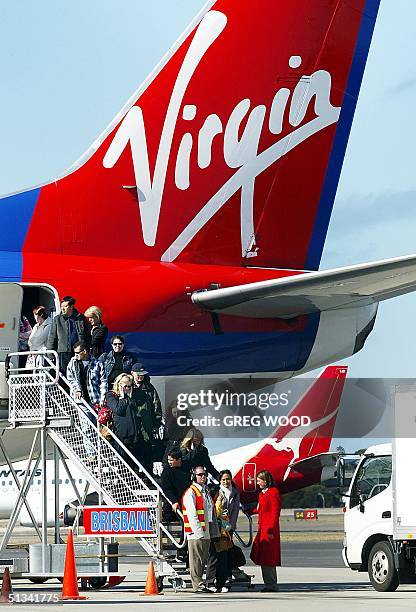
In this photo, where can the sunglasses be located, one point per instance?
(200, 474)
(79, 352)
(118, 344)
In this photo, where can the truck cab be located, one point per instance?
(368, 506)
(379, 519)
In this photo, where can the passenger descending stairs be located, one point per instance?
(40, 396)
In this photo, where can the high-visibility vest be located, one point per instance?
(199, 504)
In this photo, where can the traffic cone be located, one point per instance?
(70, 581)
(6, 587)
(151, 583)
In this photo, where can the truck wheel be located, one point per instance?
(383, 575)
(97, 582)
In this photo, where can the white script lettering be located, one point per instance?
(240, 147)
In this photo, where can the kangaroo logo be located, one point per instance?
(293, 440)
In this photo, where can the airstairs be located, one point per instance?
(38, 399)
(68, 429)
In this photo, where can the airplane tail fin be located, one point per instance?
(230, 152)
(320, 403)
(289, 444)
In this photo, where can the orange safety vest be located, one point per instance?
(199, 503)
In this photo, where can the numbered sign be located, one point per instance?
(306, 515)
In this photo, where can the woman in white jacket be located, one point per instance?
(39, 335)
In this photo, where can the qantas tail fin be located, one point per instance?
(231, 151)
(293, 442)
(320, 403)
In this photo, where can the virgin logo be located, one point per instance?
(240, 152)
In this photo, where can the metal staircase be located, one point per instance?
(39, 397)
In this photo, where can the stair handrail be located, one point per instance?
(88, 408)
(23, 370)
(245, 511)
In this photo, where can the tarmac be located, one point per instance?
(314, 589)
(312, 578)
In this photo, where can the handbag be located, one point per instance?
(224, 543)
(237, 558)
(104, 415)
(105, 420)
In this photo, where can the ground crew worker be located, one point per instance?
(200, 525)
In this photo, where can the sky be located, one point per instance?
(67, 68)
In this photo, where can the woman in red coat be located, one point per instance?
(266, 545)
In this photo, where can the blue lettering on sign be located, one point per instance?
(142, 520)
(95, 525)
(149, 522)
(116, 521)
(133, 522)
(124, 523)
(104, 522)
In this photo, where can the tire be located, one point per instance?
(97, 582)
(159, 581)
(381, 570)
(38, 580)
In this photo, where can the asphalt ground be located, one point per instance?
(312, 577)
(313, 589)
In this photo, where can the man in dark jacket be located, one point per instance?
(151, 412)
(117, 361)
(176, 478)
(142, 381)
(142, 384)
(67, 328)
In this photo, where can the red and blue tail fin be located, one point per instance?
(230, 153)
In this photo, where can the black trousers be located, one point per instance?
(218, 568)
(142, 451)
(64, 359)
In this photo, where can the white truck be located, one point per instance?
(380, 507)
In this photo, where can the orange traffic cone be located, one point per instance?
(70, 581)
(6, 587)
(151, 583)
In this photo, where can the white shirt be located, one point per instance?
(39, 335)
(227, 491)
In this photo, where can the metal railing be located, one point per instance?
(250, 529)
(39, 395)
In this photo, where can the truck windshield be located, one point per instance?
(373, 477)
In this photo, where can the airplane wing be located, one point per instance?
(308, 292)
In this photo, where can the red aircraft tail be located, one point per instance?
(232, 150)
(291, 443)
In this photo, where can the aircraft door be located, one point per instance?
(11, 298)
(249, 477)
